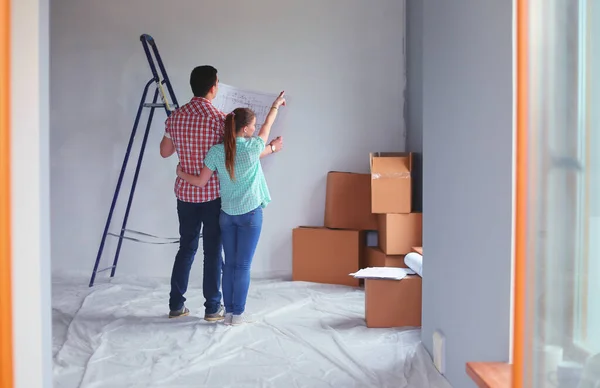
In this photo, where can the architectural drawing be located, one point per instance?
(229, 97)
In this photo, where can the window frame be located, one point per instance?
(578, 322)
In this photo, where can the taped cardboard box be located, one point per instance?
(398, 233)
(323, 255)
(375, 257)
(391, 182)
(348, 201)
(393, 303)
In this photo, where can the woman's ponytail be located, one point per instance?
(230, 144)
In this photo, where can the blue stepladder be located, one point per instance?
(160, 80)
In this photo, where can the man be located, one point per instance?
(191, 131)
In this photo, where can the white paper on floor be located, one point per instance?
(307, 335)
(390, 273)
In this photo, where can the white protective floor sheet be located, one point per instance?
(117, 334)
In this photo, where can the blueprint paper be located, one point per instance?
(229, 98)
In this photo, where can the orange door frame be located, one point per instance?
(6, 339)
(520, 342)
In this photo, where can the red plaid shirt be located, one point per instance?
(194, 128)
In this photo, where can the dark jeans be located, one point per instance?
(192, 217)
(240, 237)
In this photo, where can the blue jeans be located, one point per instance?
(193, 217)
(240, 237)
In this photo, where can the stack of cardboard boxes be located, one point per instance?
(355, 205)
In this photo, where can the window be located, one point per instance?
(560, 268)
(563, 204)
(586, 335)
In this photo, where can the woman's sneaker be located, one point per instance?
(241, 319)
(228, 319)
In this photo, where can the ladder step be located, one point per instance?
(169, 241)
(151, 105)
(149, 235)
(160, 105)
(105, 269)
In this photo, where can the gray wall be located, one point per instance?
(325, 55)
(467, 177)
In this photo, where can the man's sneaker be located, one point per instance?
(241, 319)
(183, 312)
(218, 316)
(228, 319)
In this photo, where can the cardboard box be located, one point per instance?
(348, 201)
(393, 303)
(398, 233)
(391, 182)
(375, 257)
(419, 250)
(323, 255)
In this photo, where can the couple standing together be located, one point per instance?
(221, 191)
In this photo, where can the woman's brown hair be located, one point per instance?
(234, 122)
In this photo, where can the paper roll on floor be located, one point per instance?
(414, 261)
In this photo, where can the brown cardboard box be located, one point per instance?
(391, 182)
(393, 303)
(375, 257)
(419, 250)
(398, 233)
(322, 255)
(348, 201)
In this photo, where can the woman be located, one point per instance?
(244, 194)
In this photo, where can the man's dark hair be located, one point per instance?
(202, 79)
